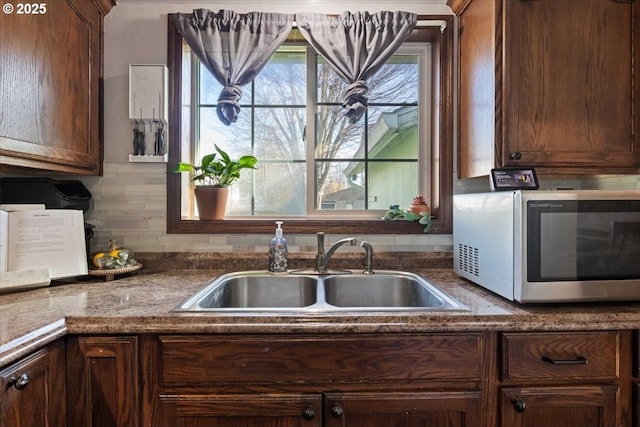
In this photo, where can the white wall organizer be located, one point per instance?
(149, 111)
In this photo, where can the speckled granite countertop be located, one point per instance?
(143, 303)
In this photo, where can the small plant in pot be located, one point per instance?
(215, 173)
(418, 210)
(419, 204)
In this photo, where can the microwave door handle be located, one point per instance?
(579, 360)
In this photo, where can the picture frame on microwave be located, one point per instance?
(513, 179)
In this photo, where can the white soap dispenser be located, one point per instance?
(278, 251)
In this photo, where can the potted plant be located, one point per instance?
(418, 210)
(215, 173)
(419, 204)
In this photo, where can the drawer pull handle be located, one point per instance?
(309, 414)
(19, 383)
(579, 360)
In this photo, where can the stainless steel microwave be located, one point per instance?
(550, 246)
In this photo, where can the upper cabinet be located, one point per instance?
(50, 86)
(548, 84)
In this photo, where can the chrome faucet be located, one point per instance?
(322, 259)
(368, 257)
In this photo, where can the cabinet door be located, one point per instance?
(579, 406)
(636, 404)
(569, 84)
(254, 410)
(549, 84)
(442, 409)
(50, 72)
(33, 390)
(102, 378)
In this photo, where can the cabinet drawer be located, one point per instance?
(260, 359)
(579, 355)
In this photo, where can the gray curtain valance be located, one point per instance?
(355, 46)
(233, 47)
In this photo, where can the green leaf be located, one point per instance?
(207, 159)
(410, 216)
(183, 167)
(225, 157)
(247, 162)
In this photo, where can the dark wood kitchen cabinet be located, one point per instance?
(355, 380)
(576, 406)
(569, 379)
(549, 84)
(33, 390)
(636, 374)
(103, 381)
(449, 409)
(50, 86)
(255, 410)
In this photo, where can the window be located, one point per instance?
(323, 174)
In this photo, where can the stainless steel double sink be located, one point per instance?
(261, 291)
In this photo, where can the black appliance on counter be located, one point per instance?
(53, 193)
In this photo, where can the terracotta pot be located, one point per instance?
(211, 201)
(418, 208)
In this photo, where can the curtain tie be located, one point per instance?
(355, 100)
(228, 104)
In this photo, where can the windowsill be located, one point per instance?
(304, 226)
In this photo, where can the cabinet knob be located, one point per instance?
(19, 383)
(337, 411)
(516, 155)
(519, 405)
(308, 414)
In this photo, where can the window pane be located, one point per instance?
(240, 195)
(397, 82)
(282, 80)
(209, 87)
(338, 187)
(336, 137)
(330, 86)
(279, 133)
(392, 183)
(393, 133)
(280, 189)
(234, 139)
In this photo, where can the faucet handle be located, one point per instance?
(368, 257)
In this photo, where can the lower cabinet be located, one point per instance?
(455, 409)
(102, 381)
(551, 379)
(568, 379)
(449, 409)
(636, 384)
(401, 380)
(579, 406)
(636, 403)
(33, 390)
(255, 410)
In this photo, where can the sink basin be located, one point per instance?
(384, 290)
(255, 290)
(261, 291)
